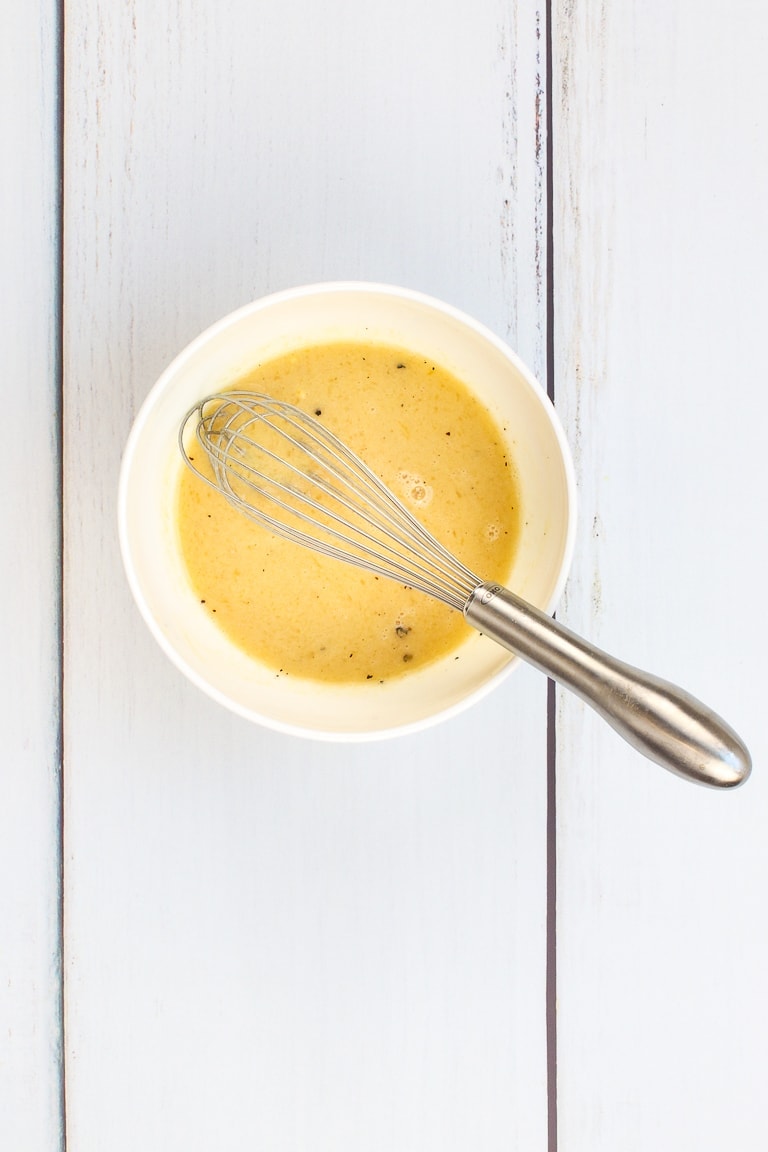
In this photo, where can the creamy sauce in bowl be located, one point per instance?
(429, 439)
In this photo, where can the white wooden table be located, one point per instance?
(509, 932)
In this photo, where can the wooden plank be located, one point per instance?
(272, 943)
(661, 172)
(30, 1088)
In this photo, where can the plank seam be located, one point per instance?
(58, 354)
(551, 817)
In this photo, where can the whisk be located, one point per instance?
(289, 473)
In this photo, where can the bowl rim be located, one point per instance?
(190, 350)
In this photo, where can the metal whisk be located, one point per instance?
(286, 471)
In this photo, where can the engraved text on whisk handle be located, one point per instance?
(662, 721)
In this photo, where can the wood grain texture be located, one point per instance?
(661, 174)
(271, 943)
(30, 1066)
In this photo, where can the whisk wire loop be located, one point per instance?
(287, 472)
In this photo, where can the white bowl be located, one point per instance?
(270, 327)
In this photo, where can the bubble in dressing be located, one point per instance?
(415, 490)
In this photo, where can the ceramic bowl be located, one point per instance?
(270, 327)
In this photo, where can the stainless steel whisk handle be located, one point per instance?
(662, 721)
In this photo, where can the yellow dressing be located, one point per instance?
(433, 443)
